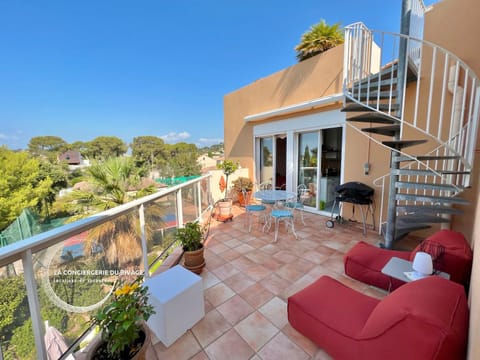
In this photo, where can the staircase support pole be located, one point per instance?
(394, 165)
(392, 205)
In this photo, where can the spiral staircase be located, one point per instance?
(421, 103)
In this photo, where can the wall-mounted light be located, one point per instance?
(366, 168)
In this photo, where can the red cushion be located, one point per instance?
(425, 319)
(457, 258)
(365, 262)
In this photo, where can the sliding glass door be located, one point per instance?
(308, 144)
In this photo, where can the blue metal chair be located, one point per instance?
(297, 204)
(282, 214)
(251, 208)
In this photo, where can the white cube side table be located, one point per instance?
(177, 296)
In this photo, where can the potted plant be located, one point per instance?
(122, 323)
(241, 185)
(191, 236)
(225, 204)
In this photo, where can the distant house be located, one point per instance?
(71, 157)
(209, 163)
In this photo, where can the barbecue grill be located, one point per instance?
(355, 193)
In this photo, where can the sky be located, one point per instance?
(83, 69)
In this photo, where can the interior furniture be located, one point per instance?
(450, 253)
(177, 297)
(424, 319)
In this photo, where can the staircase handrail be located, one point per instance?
(358, 66)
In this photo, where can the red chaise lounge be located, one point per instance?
(424, 319)
(364, 262)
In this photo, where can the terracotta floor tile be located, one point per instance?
(275, 284)
(257, 272)
(233, 243)
(200, 356)
(182, 349)
(209, 279)
(239, 282)
(229, 255)
(281, 347)
(285, 256)
(217, 249)
(256, 295)
(290, 272)
(218, 294)
(304, 343)
(242, 263)
(276, 311)
(244, 248)
(225, 271)
(229, 345)
(256, 330)
(210, 328)
(235, 309)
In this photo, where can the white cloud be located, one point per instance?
(173, 137)
(210, 141)
(3, 136)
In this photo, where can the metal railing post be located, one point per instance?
(34, 304)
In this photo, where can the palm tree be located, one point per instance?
(318, 39)
(112, 183)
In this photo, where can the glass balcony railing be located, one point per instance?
(58, 279)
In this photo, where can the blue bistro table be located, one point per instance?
(274, 197)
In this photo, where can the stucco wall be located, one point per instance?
(453, 24)
(310, 79)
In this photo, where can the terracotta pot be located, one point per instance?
(225, 208)
(194, 260)
(140, 355)
(241, 200)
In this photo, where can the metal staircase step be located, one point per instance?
(372, 95)
(403, 229)
(400, 144)
(414, 172)
(391, 130)
(420, 219)
(429, 209)
(374, 84)
(424, 158)
(377, 118)
(426, 186)
(360, 107)
(431, 199)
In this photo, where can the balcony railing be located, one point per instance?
(62, 276)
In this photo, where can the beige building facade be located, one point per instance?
(296, 112)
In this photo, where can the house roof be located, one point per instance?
(72, 157)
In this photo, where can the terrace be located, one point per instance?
(247, 281)
(247, 278)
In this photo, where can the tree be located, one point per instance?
(104, 147)
(148, 150)
(59, 176)
(320, 38)
(21, 185)
(183, 160)
(48, 146)
(113, 183)
(80, 146)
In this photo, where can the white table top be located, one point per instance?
(396, 267)
(274, 195)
